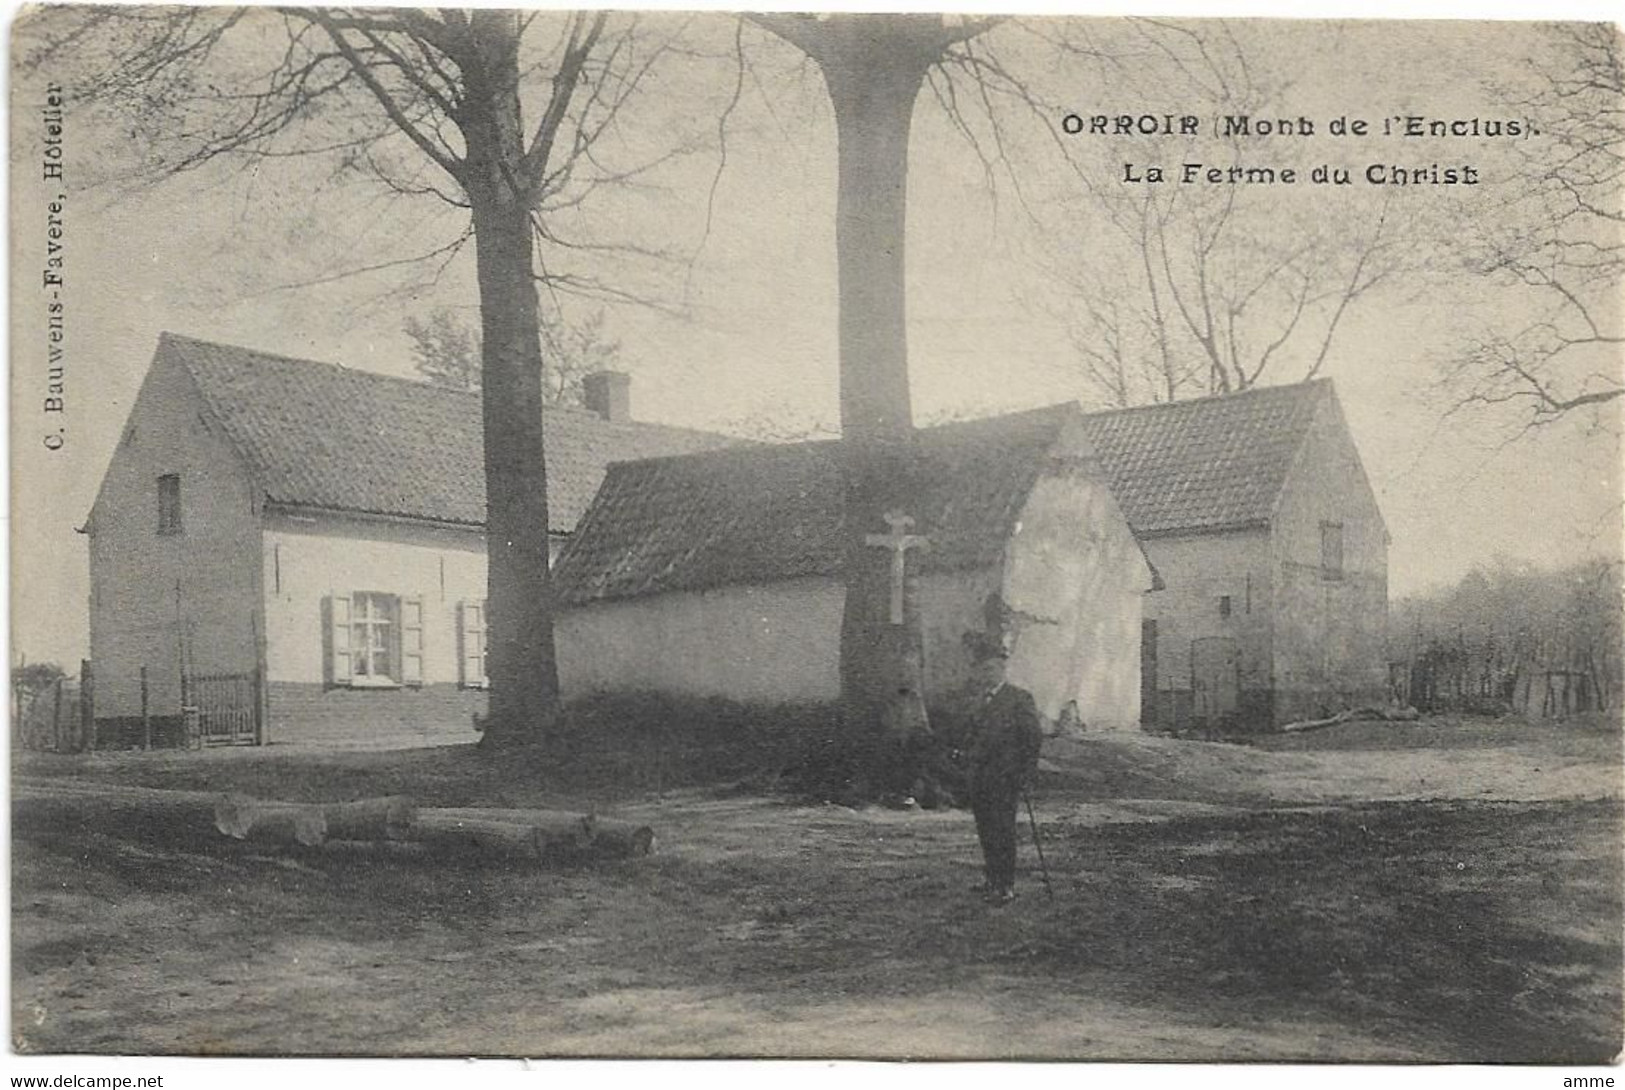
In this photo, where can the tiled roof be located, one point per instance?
(1206, 464)
(764, 513)
(316, 435)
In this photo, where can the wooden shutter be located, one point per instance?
(412, 640)
(338, 639)
(471, 643)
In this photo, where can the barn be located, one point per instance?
(1258, 515)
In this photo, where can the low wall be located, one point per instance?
(309, 714)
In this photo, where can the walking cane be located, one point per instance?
(1032, 822)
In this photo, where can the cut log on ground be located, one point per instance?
(136, 813)
(387, 818)
(1387, 715)
(389, 823)
(461, 833)
(241, 817)
(552, 834)
(538, 835)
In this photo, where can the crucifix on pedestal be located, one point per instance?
(899, 541)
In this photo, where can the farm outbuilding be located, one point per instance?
(1258, 516)
(718, 574)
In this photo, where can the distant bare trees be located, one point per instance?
(1189, 290)
(446, 351)
(1557, 245)
(1512, 636)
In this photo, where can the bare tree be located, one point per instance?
(1185, 290)
(873, 68)
(500, 113)
(1558, 244)
(446, 351)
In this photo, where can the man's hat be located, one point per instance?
(982, 646)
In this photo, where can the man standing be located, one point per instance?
(1005, 737)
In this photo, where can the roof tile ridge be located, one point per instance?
(420, 384)
(1279, 389)
(306, 361)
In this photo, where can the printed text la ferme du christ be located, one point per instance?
(1399, 127)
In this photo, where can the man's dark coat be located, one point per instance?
(1005, 737)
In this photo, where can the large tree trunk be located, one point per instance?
(521, 660)
(873, 87)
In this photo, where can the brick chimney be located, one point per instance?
(609, 394)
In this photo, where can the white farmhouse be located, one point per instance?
(298, 549)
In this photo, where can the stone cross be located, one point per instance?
(899, 541)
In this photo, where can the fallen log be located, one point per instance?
(241, 817)
(1386, 715)
(529, 834)
(386, 818)
(554, 834)
(389, 823)
(312, 824)
(462, 833)
(136, 813)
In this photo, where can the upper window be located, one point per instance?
(1331, 550)
(1224, 605)
(169, 504)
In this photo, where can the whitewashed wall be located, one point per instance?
(305, 560)
(781, 642)
(1074, 564)
(751, 643)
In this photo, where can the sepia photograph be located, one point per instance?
(585, 534)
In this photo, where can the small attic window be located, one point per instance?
(169, 503)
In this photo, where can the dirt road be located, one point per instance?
(1248, 918)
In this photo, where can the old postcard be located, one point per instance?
(606, 534)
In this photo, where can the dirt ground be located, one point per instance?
(1445, 891)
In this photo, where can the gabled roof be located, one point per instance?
(765, 513)
(318, 436)
(1211, 463)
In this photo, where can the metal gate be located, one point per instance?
(226, 708)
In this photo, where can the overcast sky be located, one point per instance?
(747, 329)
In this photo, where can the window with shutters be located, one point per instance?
(374, 640)
(471, 644)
